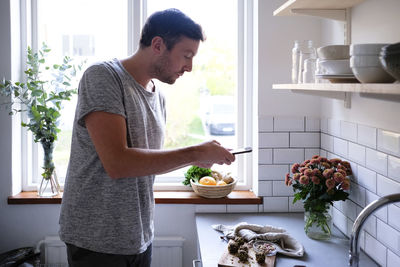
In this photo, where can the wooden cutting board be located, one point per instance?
(229, 260)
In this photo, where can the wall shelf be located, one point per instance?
(368, 88)
(343, 91)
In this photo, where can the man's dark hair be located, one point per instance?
(171, 25)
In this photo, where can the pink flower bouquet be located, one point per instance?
(319, 182)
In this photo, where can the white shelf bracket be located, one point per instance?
(347, 100)
(345, 96)
(336, 14)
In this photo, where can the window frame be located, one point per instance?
(137, 10)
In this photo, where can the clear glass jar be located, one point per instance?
(295, 62)
(318, 225)
(306, 52)
(309, 70)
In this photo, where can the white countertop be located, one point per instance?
(333, 252)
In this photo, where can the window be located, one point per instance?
(208, 103)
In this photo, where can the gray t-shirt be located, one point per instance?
(99, 213)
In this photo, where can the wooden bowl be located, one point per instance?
(213, 191)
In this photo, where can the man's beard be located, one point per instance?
(161, 70)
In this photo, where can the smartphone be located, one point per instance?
(241, 150)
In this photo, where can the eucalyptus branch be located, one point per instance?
(42, 99)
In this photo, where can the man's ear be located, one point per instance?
(157, 45)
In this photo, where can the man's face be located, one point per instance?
(173, 63)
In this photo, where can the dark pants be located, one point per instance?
(80, 257)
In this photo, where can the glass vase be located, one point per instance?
(318, 225)
(49, 185)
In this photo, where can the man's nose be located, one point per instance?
(188, 67)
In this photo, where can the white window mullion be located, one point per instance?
(28, 34)
(34, 155)
(34, 25)
(137, 10)
(249, 86)
(241, 87)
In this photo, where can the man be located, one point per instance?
(107, 209)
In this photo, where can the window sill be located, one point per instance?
(161, 197)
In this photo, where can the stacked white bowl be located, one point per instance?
(334, 60)
(365, 63)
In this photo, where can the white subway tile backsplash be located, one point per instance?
(324, 125)
(393, 260)
(375, 249)
(264, 156)
(357, 153)
(332, 155)
(349, 208)
(394, 168)
(327, 142)
(242, 208)
(340, 146)
(367, 178)
(260, 208)
(386, 186)
(310, 152)
(374, 155)
(265, 188)
(389, 142)
(313, 124)
(279, 189)
(388, 236)
(305, 140)
(348, 131)
(289, 124)
(366, 136)
(340, 220)
(288, 155)
(296, 207)
(210, 208)
(273, 140)
(394, 216)
(357, 194)
(338, 205)
(376, 161)
(272, 172)
(334, 127)
(266, 124)
(276, 204)
(362, 237)
(323, 153)
(381, 213)
(349, 227)
(370, 225)
(354, 169)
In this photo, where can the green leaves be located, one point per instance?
(41, 98)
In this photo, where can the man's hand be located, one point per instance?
(212, 152)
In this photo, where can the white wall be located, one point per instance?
(373, 21)
(276, 40)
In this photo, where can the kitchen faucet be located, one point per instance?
(358, 223)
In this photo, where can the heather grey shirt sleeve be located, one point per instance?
(99, 91)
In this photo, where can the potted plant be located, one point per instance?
(41, 96)
(319, 182)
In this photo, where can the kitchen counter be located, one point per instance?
(333, 252)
